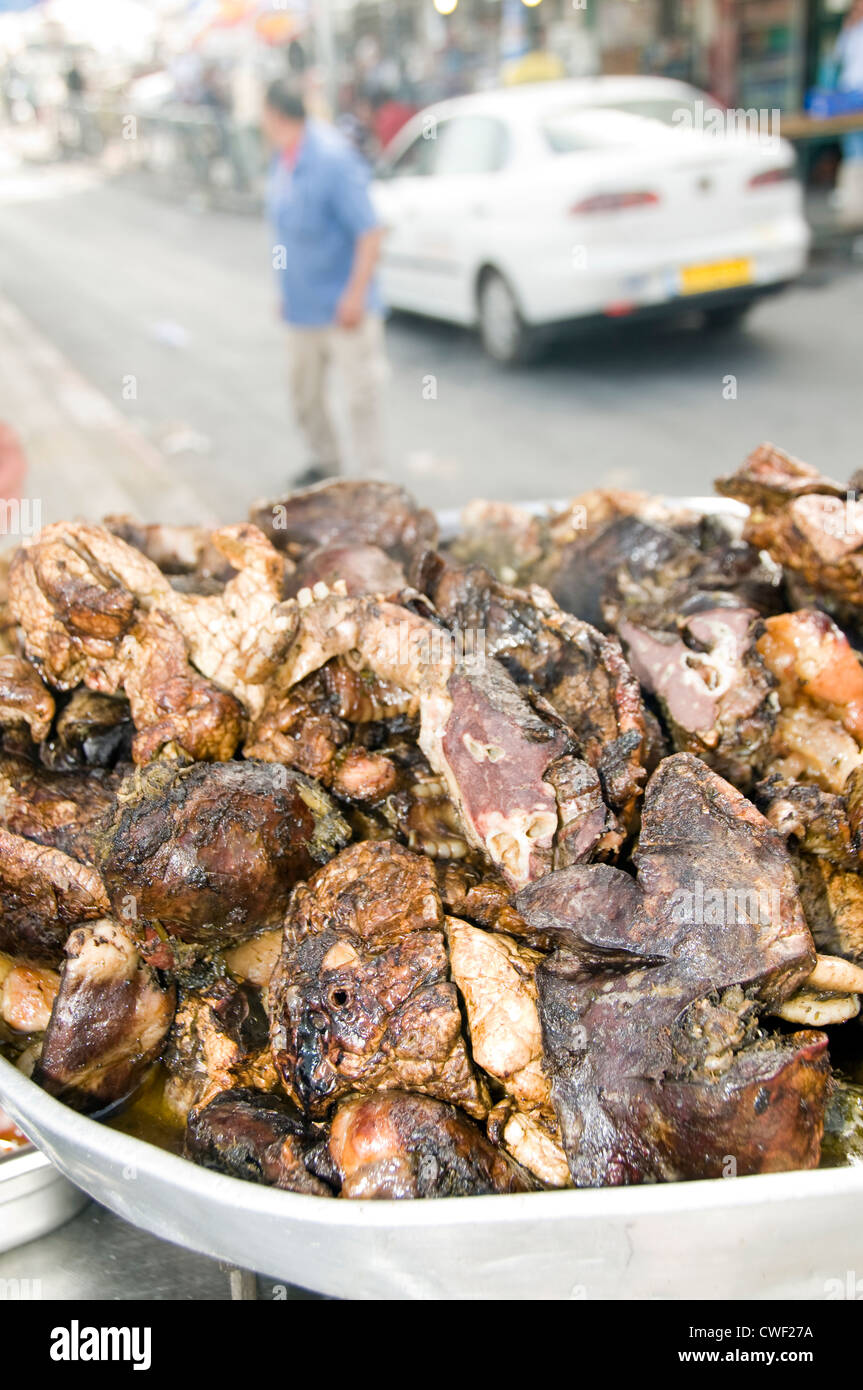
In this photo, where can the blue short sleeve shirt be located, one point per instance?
(318, 208)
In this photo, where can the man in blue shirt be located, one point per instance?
(327, 242)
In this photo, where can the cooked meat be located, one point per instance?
(176, 711)
(650, 1010)
(210, 851)
(715, 692)
(833, 903)
(347, 512)
(43, 893)
(254, 960)
(396, 1145)
(825, 824)
(810, 525)
(176, 550)
(580, 672)
(495, 976)
(255, 1136)
(92, 731)
(109, 1021)
(65, 810)
(27, 993)
(362, 569)
(361, 998)
(25, 703)
(820, 687)
(86, 600)
(769, 478)
(218, 1041)
(491, 746)
(506, 539)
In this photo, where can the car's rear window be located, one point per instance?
(604, 127)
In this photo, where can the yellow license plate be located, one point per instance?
(720, 275)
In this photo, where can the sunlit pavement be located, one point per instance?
(169, 315)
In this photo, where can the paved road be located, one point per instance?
(170, 312)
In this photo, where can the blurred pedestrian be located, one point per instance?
(327, 245)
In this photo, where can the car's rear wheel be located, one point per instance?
(502, 330)
(727, 315)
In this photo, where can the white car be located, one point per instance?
(522, 210)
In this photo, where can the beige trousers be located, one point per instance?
(358, 357)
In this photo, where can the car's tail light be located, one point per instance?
(770, 176)
(614, 202)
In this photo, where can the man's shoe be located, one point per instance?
(316, 473)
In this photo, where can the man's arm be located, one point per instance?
(352, 305)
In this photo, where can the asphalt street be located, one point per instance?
(169, 312)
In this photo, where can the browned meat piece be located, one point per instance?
(25, 704)
(495, 976)
(506, 539)
(257, 1137)
(27, 994)
(490, 744)
(362, 569)
(361, 998)
(254, 960)
(174, 709)
(825, 824)
(219, 1041)
(715, 692)
(650, 1010)
(92, 731)
(176, 550)
(580, 672)
(396, 1145)
(820, 688)
(770, 478)
(66, 810)
(87, 602)
(810, 525)
(109, 1021)
(43, 893)
(347, 513)
(833, 903)
(210, 851)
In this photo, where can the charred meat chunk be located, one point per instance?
(715, 692)
(219, 1041)
(43, 893)
(347, 512)
(810, 525)
(650, 1011)
(255, 1136)
(26, 705)
(64, 810)
(362, 569)
(361, 998)
(397, 1145)
(579, 671)
(92, 731)
(109, 1021)
(211, 850)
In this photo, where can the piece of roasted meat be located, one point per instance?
(361, 998)
(396, 1145)
(651, 1006)
(256, 1136)
(109, 1021)
(810, 525)
(210, 851)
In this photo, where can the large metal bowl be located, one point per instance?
(783, 1235)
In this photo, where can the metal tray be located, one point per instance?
(782, 1235)
(34, 1197)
